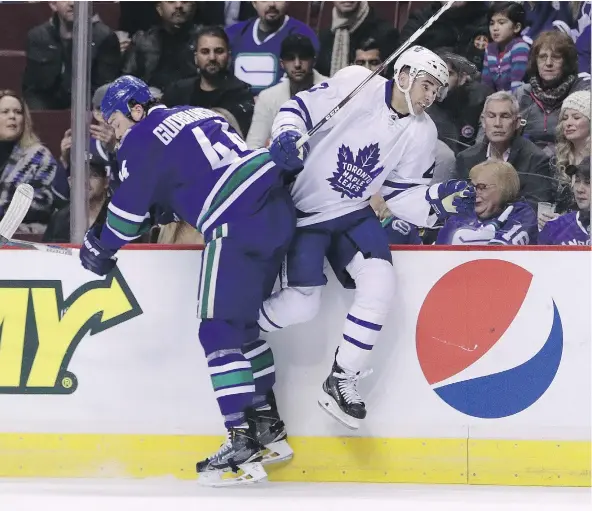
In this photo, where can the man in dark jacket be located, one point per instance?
(47, 80)
(501, 122)
(458, 115)
(463, 28)
(352, 23)
(215, 87)
(164, 53)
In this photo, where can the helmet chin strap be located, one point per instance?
(405, 91)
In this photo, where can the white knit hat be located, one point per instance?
(579, 101)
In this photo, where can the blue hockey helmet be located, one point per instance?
(121, 92)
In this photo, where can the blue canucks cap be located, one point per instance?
(119, 94)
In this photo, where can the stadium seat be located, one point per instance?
(12, 67)
(300, 11)
(50, 125)
(109, 13)
(18, 18)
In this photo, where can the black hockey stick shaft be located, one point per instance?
(377, 71)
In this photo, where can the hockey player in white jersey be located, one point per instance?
(381, 141)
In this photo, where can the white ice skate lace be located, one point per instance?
(348, 385)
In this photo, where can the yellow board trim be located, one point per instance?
(317, 459)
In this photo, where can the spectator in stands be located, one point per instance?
(47, 80)
(164, 53)
(255, 44)
(572, 228)
(23, 159)
(352, 23)
(179, 233)
(231, 119)
(457, 115)
(573, 148)
(543, 16)
(215, 86)
(297, 58)
(368, 54)
(582, 35)
(136, 16)
(400, 232)
(502, 142)
(463, 28)
(573, 130)
(553, 71)
(504, 64)
(58, 229)
(102, 145)
(501, 216)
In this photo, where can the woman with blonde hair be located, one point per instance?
(572, 149)
(23, 159)
(500, 217)
(573, 132)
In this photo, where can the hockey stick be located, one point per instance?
(306, 137)
(15, 214)
(39, 246)
(17, 211)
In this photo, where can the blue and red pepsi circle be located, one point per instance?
(466, 322)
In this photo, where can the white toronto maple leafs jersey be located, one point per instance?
(364, 149)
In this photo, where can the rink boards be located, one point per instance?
(481, 374)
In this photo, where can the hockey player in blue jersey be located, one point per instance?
(188, 162)
(573, 228)
(500, 216)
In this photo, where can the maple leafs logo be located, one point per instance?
(353, 176)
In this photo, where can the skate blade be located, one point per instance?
(277, 452)
(249, 473)
(327, 403)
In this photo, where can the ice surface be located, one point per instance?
(173, 495)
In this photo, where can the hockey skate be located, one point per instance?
(237, 462)
(271, 433)
(340, 397)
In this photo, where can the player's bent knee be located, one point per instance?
(306, 301)
(375, 284)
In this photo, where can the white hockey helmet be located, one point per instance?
(421, 60)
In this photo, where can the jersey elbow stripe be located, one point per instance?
(307, 118)
(398, 188)
(296, 112)
(121, 236)
(125, 227)
(126, 215)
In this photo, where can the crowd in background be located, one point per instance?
(519, 94)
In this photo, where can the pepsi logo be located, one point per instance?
(489, 339)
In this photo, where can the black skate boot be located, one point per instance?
(239, 457)
(340, 397)
(271, 433)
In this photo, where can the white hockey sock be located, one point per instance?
(361, 329)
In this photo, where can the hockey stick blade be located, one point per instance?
(306, 137)
(17, 210)
(53, 249)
